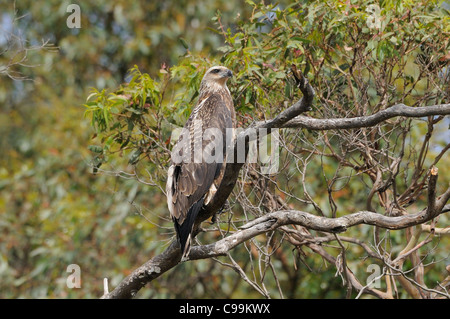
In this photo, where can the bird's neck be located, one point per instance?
(209, 87)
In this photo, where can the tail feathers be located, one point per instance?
(184, 231)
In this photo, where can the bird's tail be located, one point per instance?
(184, 231)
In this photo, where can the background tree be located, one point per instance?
(319, 226)
(53, 211)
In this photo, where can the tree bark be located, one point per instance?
(290, 118)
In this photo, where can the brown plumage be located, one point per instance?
(199, 156)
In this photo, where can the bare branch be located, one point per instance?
(172, 256)
(368, 121)
(292, 118)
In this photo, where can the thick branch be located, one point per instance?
(277, 219)
(289, 118)
(171, 256)
(367, 121)
(152, 269)
(233, 167)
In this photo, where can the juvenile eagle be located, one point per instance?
(199, 156)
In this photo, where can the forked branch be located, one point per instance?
(291, 117)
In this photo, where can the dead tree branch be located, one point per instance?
(156, 266)
(367, 121)
(292, 118)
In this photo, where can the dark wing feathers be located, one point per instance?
(191, 181)
(184, 230)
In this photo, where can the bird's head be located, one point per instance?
(215, 78)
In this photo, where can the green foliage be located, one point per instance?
(361, 57)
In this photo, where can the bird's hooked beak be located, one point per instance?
(227, 74)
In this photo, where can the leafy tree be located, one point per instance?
(375, 86)
(53, 211)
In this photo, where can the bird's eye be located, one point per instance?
(215, 71)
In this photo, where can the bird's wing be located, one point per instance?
(188, 182)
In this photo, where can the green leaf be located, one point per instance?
(183, 43)
(95, 148)
(134, 157)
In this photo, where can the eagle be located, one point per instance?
(199, 156)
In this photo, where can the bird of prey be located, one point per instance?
(199, 156)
